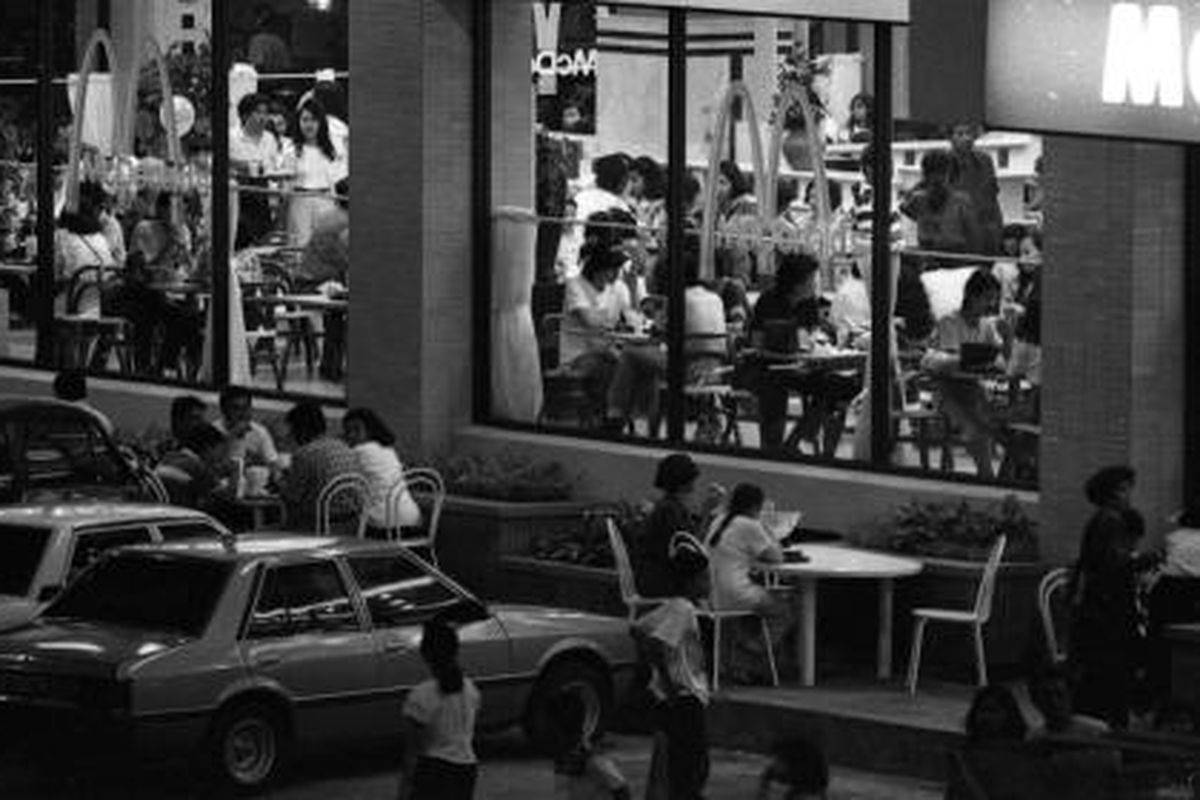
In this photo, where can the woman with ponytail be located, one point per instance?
(737, 543)
(439, 717)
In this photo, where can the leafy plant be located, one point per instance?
(956, 529)
(799, 72)
(506, 476)
(587, 545)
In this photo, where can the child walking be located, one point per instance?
(580, 772)
(439, 721)
(670, 638)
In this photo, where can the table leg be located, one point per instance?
(808, 634)
(886, 586)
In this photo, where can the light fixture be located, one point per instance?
(321, 5)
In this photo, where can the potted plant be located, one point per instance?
(953, 539)
(496, 505)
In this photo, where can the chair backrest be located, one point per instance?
(153, 485)
(987, 583)
(629, 593)
(426, 487)
(1054, 581)
(350, 485)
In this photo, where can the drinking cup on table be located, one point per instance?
(256, 480)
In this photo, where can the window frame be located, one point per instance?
(416, 617)
(348, 587)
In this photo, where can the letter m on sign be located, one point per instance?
(1144, 56)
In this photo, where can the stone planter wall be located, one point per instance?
(475, 534)
(1011, 637)
(551, 583)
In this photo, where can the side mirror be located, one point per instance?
(48, 593)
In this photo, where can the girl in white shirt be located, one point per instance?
(738, 542)
(439, 721)
(373, 445)
(319, 167)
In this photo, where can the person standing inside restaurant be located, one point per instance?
(961, 395)
(319, 167)
(1108, 641)
(254, 151)
(973, 172)
(249, 440)
(439, 723)
(943, 213)
(608, 194)
(318, 459)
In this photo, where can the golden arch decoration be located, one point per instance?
(765, 174)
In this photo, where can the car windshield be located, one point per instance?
(148, 591)
(21, 552)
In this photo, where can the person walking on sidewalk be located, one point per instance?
(439, 722)
(670, 638)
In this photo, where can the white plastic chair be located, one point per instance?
(425, 486)
(717, 616)
(634, 602)
(348, 484)
(1052, 582)
(976, 617)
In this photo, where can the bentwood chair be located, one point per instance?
(1052, 583)
(344, 498)
(426, 487)
(717, 616)
(976, 617)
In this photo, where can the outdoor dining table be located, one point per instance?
(260, 507)
(840, 561)
(311, 302)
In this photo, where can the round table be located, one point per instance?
(838, 561)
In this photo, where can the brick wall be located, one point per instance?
(1112, 328)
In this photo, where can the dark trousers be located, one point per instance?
(435, 779)
(683, 721)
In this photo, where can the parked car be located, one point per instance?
(52, 450)
(43, 546)
(254, 648)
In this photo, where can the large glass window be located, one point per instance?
(749, 268)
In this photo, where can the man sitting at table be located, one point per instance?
(789, 306)
(961, 396)
(319, 458)
(248, 439)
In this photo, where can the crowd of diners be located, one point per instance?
(966, 278)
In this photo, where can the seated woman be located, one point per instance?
(593, 306)
(641, 369)
(789, 306)
(374, 447)
(961, 396)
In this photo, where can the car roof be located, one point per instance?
(20, 405)
(248, 547)
(54, 515)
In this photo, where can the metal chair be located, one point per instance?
(427, 488)
(1052, 582)
(634, 602)
(717, 616)
(349, 485)
(976, 617)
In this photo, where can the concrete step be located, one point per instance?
(858, 723)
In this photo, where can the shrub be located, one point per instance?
(506, 476)
(956, 529)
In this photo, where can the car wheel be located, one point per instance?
(249, 746)
(592, 684)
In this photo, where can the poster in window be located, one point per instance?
(564, 66)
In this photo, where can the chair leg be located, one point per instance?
(914, 656)
(980, 656)
(716, 653)
(766, 633)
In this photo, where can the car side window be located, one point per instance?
(397, 591)
(90, 545)
(302, 598)
(194, 529)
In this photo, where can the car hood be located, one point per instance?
(80, 647)
(523, 620)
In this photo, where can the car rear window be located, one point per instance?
(147, 591)
(21, 552)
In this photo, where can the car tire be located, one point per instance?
(249, 747)
(573, 674)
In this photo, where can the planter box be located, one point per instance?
(475, 534)
(552, 583)
(1011, 636)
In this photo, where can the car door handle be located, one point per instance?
(268, 660)
(396, 646)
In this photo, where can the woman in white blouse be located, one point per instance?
(319, 166)
(738, 542)
(373, 442)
